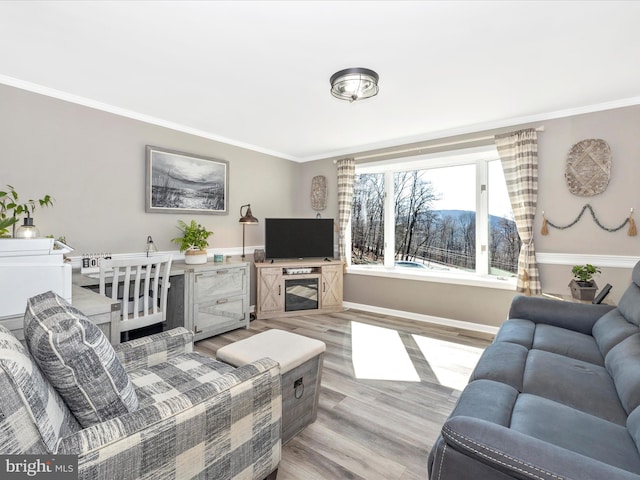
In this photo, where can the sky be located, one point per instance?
(457, 187)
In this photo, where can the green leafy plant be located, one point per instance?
(584, 273)
(11, 208)
(194, 236)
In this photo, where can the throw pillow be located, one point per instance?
(78, 360)
(26, 394)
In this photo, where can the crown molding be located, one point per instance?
(477, 128)
(470, 129)
(123, 112)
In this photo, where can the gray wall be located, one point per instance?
(619, 128)
(93, 164)
(302, 188)
(487, 306)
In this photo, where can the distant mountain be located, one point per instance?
(493, 219)
(453, 213)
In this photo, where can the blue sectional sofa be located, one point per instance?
(555, 396)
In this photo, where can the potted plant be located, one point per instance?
(193, 242)
(583, 287)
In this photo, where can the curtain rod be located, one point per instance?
(436, 145)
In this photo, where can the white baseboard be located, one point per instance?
(612, 261)
(476, 327)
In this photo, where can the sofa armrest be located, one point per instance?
(157, 348)
(225, 427)
(579, 317)
(520, 455)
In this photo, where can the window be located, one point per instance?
(444, 213)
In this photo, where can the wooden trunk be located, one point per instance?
(300, 392)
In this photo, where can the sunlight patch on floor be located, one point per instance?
(379, 354)
(451, 363)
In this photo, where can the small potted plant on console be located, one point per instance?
(193, 242)
(583, 287)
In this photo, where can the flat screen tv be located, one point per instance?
(298, 238)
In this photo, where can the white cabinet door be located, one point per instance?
(224, 313)
(220, 296)
(221, 282)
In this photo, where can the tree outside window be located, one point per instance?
(367, 219)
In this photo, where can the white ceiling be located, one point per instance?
(256, 74)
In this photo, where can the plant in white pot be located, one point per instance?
(193, 242)
(583, 287)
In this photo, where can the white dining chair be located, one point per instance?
(141, 286)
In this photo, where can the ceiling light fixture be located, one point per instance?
(354, 84)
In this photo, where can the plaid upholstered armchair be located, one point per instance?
(154, 409)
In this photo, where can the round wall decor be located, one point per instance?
(588, 167)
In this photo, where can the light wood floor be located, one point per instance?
(388, 385)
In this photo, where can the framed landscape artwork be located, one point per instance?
(180, 182)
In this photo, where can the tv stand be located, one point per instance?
(298, 287)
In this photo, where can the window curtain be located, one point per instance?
(519, 156)
(346, 176)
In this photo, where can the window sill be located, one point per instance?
(438, 277)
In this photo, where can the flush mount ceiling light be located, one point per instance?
(354, 84)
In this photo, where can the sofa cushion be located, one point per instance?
(577, 431)
(611, 329)
(487, 400)
(29, 399)
(516, 330)
(575, 383)
(502, 362)
(175, 377)
(78, 360)
(623, 363)
(629, 304)
(633, 425)
(550, 338)
(568, 343)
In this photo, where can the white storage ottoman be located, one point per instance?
(300, 360)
